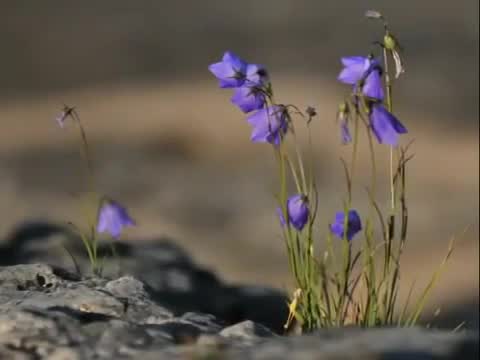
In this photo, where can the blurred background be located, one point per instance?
(168, 144)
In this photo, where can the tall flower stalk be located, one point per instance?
(101, 213)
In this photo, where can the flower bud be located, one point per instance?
(392, 45)
(390, 42)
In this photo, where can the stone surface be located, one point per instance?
(50, 313)
(166, 272)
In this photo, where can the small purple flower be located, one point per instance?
(65, 114)
(297, 211)
(61, 119)
(256, 75)
(354, 224)
(343, 115)
(385, 126)
(364, 71)
(248, 98)
(269, 124)
(345, 132)
(372, 86)
(231, 71)
(355, 68)
(113, 218)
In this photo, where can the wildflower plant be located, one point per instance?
(341, 284)
(102, 214)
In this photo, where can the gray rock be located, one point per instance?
(174, 281)
(247, 332)
(125, 298)
(49, 313)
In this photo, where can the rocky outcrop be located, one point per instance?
(47, 312)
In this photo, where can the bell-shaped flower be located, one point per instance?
(269, 124)
(343, 115)
(231, 71)
(345, 133)
(64, 115)
(112, 218)
(249, 98)
(297, 212)
(353, 227)
(363, 71)
(385, 126)
(256, 75)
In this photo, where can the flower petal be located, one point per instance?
(230, 71)
(354, 224)
(372, 86)
(256, 75)
(248, 99)
(345, 132)
(113, 218)
(269, 124)
(385, 125)
(354, 70)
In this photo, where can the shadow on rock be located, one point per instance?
(173, 279)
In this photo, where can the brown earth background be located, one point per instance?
(169, 145)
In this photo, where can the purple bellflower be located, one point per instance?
(112, 218)
(364, 71)
(354, 224)
(64, 115)
(256, 75)
(297, 211)
(345, 133)
(343, 115)
(231, 71)
(249, 98)
(269, 124)
(385, 126)
(60, 119)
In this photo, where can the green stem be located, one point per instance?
(354, 158)
(85, 150)
(391, 221)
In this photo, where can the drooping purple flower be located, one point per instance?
(345, 132)
(60, 119)
(297, 211)
(269, 124)
(364, 71)
(112, 218)
(353, 227)
(256, 75)
(385, 125)
(249, 98)
(64, 115)
(355, 68)
(231, 71)
(372, 85)
(343, 115)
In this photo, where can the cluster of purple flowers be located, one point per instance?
(365, 76)
(252, 90)
(270, 122)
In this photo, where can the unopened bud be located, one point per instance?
(390, 42)
(392, 45)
